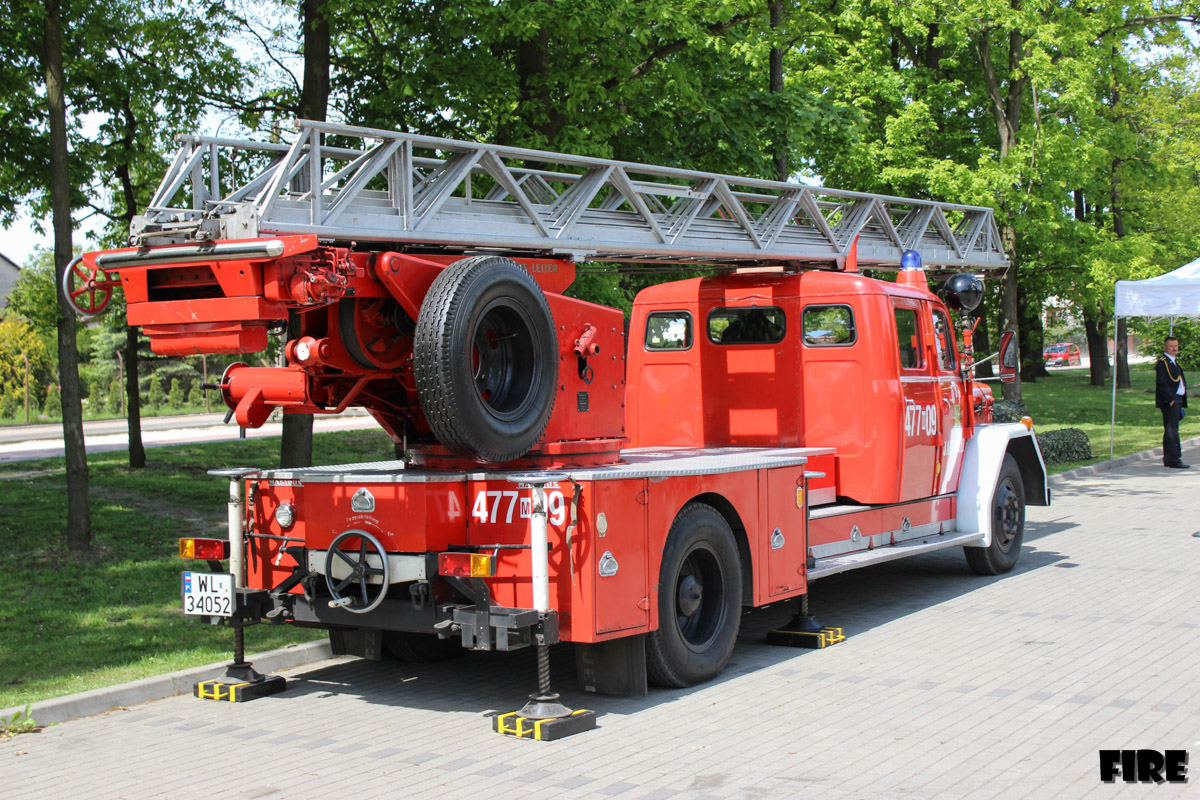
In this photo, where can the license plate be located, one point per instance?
(208, 594)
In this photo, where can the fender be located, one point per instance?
(984, 454)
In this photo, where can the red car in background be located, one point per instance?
(1062, 355)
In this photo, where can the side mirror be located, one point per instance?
(1009, 361)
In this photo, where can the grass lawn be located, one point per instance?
(1066, 399)
(71, 624)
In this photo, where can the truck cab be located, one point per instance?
(807, 359)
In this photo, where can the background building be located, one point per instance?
(8, 276)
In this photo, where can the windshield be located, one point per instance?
(1056, 348)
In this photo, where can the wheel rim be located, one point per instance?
(503, 370)
(700, 598)
(1006, 516)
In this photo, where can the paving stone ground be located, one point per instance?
(949, 685)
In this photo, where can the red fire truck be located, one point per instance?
(565, 475)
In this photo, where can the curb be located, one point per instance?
(108, 698)
(1106, 466)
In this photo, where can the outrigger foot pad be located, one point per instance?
(240, 691)
(543, 730)
(812, 639)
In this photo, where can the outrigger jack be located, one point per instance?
(241, 681)
(543, 717)
(804, 631)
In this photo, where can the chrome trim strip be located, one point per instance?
(832, 566)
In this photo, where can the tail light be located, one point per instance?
(466, 565)
(206, 549)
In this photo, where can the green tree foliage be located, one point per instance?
(678, 82)
(18, 341)
(1014, 104)
(33, 295)
(175, 394)
(53, 404)
(115, 391)
(155, 397)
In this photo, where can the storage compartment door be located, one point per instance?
(783, 529)
(618, 555)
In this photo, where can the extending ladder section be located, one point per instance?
(424, 192)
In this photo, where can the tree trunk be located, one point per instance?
(314, 95)
(1121, 337)
(535, 108)
(295, 447)
(1030, 311)
(982, 345)
(1009, 309)
(779, 147)
(79, 523)
(1006, 97)
(137, 452)
(133, 420)
(1097, 341)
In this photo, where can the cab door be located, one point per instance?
(921, 416)
(950, 429)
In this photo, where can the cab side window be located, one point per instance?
(944, 339)
(747, 325)
(826, 326)
(908, 334)
(669, 330)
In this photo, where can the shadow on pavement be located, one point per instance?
(498, 682)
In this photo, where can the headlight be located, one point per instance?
(285, 515)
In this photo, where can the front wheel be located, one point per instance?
(1008, 524)
(699, 600)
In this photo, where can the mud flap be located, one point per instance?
(366, 643)
(616, 668)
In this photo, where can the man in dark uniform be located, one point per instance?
(1170, 395)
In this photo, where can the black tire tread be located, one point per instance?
(990, 560)
(660, 670)
(433, 362)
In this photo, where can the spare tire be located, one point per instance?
(485, 359)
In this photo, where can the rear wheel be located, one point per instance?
(699, 600)
(1008, 524)
(485, 359)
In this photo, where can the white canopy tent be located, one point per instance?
(1173, 294)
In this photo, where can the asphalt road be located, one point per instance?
(23, 442)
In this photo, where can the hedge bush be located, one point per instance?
(1064, 445)
(1004, 411)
